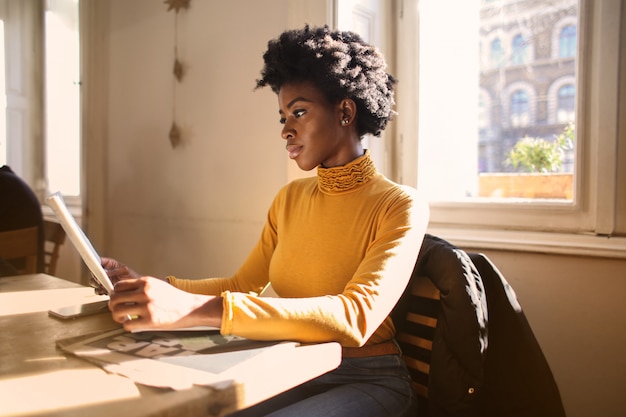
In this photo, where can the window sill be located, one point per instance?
(531, 241)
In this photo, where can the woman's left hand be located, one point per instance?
(155, 304)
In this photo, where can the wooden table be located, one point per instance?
(38, 379)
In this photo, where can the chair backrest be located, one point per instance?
(20, 247)
(54, 238)
(456, 366)
(416, 329)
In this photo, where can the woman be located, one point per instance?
(338, 248)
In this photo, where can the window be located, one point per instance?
(40, 123)
(519, 112)
(471, 116)
(565, 104)
(3, 101)
(567, 42)
(497, 54)
(62, 97)
(520, 51)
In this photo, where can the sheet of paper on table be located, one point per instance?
(173, 359)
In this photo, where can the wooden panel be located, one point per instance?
(421, 319)
(20, 244)
(418, 365)
(415, 340)
(424, 287)
(417, 330)
(54, 238)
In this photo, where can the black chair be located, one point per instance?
(466, 341)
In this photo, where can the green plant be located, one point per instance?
(566, 138)
(541, 155)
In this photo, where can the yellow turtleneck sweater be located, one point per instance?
(338, 249)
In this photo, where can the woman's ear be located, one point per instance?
(347, 109)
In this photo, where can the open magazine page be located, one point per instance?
(174, 360)
(79, 240)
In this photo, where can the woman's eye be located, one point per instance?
(296, 114)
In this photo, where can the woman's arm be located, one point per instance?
(155, 304)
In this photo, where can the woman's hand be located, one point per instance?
(155, 304)
(116, 271)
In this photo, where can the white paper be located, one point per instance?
(172, 359)
(79, 240)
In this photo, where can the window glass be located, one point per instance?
(3, 101)
(62, 97)
(507, 129)
(519, 54)
(567, 42)
(519, 109)
(497, 54)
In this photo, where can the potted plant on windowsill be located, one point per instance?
(539, 162)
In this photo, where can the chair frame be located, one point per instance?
(54, 238)
(21, 244)
(415, 332)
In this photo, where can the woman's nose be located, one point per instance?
(287, 132)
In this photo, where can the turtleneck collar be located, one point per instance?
(346, 177)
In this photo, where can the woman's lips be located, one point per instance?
(293, 150)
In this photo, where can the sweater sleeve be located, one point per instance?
(351, 317)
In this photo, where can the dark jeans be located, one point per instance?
(365, 387)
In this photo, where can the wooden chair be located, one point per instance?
(54, 238)
(416, 331)
(20, 248)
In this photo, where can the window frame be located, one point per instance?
(589, 224)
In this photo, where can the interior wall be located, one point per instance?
(575, 306)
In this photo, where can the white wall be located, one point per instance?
(197, 210)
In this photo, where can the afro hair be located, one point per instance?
(340, 64)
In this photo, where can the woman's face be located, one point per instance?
(313, 127)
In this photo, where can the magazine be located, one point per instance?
(79, 240)
(176, 360)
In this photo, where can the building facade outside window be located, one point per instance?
(562, 99)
